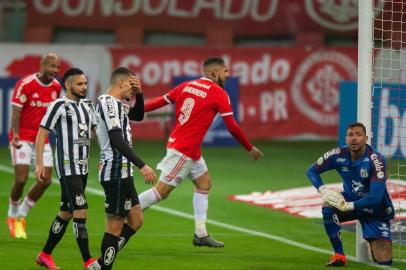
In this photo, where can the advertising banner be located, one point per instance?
(388, 117)
(289, 93)
(18, 60)
(243, 17)
(6, 91)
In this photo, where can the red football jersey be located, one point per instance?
(197, 103)
(33, 97)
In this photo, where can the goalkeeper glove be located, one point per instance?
(335, 199)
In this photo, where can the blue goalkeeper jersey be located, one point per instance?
(364, 180)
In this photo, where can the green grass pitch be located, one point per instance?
(165, 240)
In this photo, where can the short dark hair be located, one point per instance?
(71, 72)
(213, 60)
(357, 124)
(119, 72)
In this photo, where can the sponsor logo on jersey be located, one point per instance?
(356, 186)
(332, 152)
(57, 227)
(121, 242)
(82, 141)
(344, 169)
(341, 160)
(363, 173)
(378, 166)
(35, 95)
(39, 103)
(110, 108)
(80, 200)
(109, 255)
(82, 130)
(81, 162)
(69, 111)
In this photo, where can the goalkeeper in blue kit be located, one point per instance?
(365, 197)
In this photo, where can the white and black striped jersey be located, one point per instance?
(72, 122)
(112, 115)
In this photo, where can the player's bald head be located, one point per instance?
(46, 58)
(119, 74)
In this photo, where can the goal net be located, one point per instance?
(388, 117)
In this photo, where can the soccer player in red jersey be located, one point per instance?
(197, 103)
(31, 97)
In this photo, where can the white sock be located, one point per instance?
(148, 198)
(12, 208)
(200, 205)
(25, 206)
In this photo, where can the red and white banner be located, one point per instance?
(306, 201)
(284, 92)
(243, 17)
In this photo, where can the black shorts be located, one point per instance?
(73, 192)
(121, 196)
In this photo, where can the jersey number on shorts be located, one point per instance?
(186, 110)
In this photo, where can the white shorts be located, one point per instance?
(25, 155)
(175, 167)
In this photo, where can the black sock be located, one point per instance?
(80, 233)
(109, 248)
(56, 233)
(125, 235)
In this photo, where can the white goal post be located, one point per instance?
(364, 92)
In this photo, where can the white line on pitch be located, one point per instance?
(177, 213)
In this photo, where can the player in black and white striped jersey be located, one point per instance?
(73, 121)
(123, 212)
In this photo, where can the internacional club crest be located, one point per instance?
(315, 87)
(337, 15)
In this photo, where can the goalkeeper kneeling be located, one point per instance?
(365, 197)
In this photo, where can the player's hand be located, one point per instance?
(342, 205)
(40, 173)
(136, 85)
(335, 199)
(255, 153)
(15, 141)
(148, 174)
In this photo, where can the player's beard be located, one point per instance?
(220, 82)
(78, 95)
